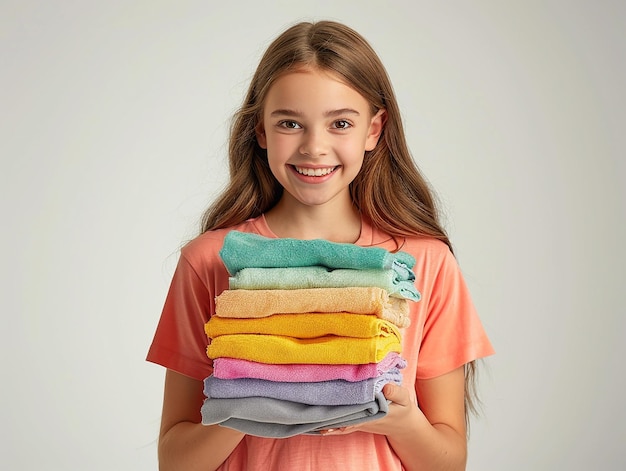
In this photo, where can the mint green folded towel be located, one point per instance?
(245, 250)
(322, 277)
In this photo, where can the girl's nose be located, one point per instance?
(314, 144)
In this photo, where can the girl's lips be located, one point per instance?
(314, 172)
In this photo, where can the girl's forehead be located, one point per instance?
(306, 80)
(305, 71)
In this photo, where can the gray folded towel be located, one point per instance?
(275, 418)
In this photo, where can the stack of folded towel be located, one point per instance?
(306, 336)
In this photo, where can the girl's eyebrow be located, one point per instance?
(298, 114)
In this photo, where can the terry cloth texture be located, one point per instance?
(234, 368)
(321, 393)
(274, 418)
(248, 250)
(322, 277)
(304, 326)
(244, 303)
(321, 350)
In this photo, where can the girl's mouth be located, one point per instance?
(314, 172)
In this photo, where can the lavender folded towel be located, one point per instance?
(242, 303)
(322, 277)
(322, 393)
(234, 368)
(274, 418)
(246, 250)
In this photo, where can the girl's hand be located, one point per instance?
(431, 436)
(401, 417)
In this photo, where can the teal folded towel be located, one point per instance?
(246, 250)
(322, 277)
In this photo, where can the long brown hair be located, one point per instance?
(389, 190)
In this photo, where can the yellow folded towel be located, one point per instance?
(330, 350)
(304, 326)
(243, 303)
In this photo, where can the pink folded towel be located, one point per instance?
(234, 368)
(243, 303)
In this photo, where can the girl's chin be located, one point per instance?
(317, 200)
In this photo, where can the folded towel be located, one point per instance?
(322, 277)
(322, 393)
(274, 418)
(246, 250)
(304, 326)
(330, 349)
(233, 368)
(260, 303)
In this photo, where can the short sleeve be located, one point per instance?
(180, 342)
(453, 334)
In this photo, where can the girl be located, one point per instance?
(317, 151)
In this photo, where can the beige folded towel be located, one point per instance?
(243, 303)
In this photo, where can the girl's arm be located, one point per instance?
(429, 437)
(184, 443)
(432, 436)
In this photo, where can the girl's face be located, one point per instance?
(316, 130)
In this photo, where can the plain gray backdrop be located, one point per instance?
(113, 120)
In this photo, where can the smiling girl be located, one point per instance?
(317, 151)
(316, 130)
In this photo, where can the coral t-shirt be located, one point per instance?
(445, 333)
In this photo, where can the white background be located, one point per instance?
(113, 119)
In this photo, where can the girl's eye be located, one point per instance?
(341, 124)
(289, 124)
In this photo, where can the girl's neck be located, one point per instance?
(314, 222)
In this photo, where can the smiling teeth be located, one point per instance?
(314, 172)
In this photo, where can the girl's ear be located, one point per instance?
(377, 124)
(259, 130)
